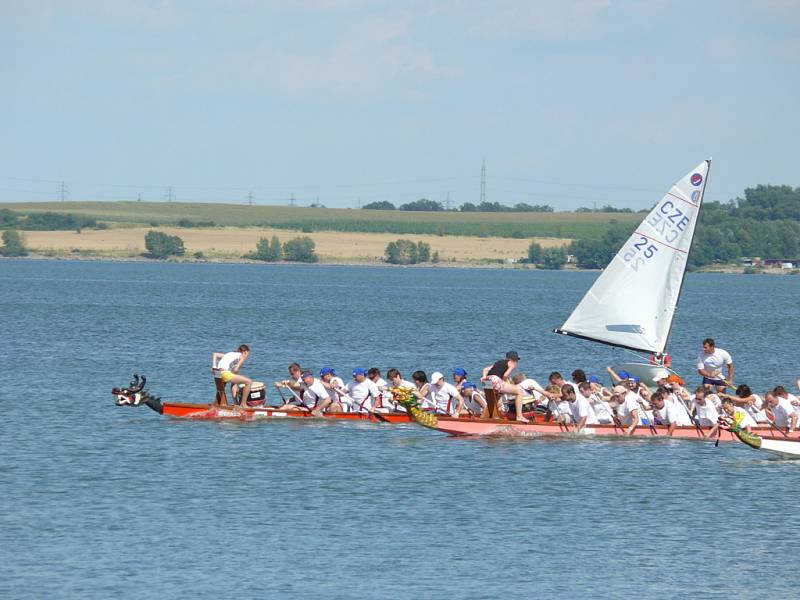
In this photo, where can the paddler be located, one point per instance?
(445, 396)
(313, 396)
(226, 366)
(738, 414)
(459, 377)
(668, 412)
(474, 400)
(423, 391)
(396, 381)
(498, 376)
(334, 386)
(294, 382)
(783, 413)
(628, 409)
(601, 408)
(361, 392)
(582, 412)
(706, 413)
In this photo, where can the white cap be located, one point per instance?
(662, 374)
(436, 377)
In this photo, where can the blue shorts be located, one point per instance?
(717, 382)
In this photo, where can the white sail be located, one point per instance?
(633, 301)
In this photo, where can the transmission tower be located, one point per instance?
(483, 181)
(291, 200)
(447, 202)
(62, 191)
(169, 194)
(250, 198)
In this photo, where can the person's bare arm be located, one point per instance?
(634, 422)
(486, 370)
(613, 374)
(730, 374)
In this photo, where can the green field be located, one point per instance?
(513, 225)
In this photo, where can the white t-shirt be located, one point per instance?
(314, 393)
(363, 394)
(714, 362)
(673, 413)
(756, 409)
(707, 413)
(715, 400)
(627, 406)
(782, 412)
(743, 417)
(229, 361)
(445, 398)
(532, 388)
(602, 410)
(581, 408)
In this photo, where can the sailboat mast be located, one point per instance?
(683, 277)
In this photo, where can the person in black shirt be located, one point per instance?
(499, 373)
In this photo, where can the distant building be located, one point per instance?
(782, 263)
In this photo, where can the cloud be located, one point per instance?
(373, 56)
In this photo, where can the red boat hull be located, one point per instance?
(501, 427)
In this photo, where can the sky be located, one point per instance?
(570, 103)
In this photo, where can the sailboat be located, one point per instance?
(632, 304)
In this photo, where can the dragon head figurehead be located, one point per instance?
(135, 394)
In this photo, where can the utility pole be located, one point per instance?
(359, 202)
(291, 200)
(250, 198)
(63, 191)
(447, 202)
(483, 181)
(138, 197)
(169, 194)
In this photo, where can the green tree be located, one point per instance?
(423, 204)
(13, 244)
(535, 252)
(383, 205)
(161, 245)
(554, 258)
(402, 252)
(423, 252)
(268, 250)
(300, 249)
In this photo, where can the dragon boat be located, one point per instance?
(495, 425)
(135, 394)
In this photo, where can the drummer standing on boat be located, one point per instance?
(710, 363)
(226, 366)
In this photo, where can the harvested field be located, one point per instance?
(235, 242)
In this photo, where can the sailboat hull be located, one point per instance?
(645, 371)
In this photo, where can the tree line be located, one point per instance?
(765, 223)
(425, 205)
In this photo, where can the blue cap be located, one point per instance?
(624, 375)
(593, 379)
(459, 371)
(468, 384)
(359, 371)
(634, 379)
(326, 370)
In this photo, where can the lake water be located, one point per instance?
(106, 502)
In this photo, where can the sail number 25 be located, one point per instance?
(641, 251)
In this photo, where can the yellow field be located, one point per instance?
(234, 242)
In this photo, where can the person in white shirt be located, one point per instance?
(706, 413)
(423, 391)
(668, 412)
(601, 408)
(582, 412)
(628, 409)
(474, 401)
(396, 381)
(294, 382)
(445, 396)
(334, 385)
(783, 413)
(313, 396)
(738, 414)
(384, 398)
(710, 363)
(752, 403)
(361, 392)
(226, 366)
(784, 393)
